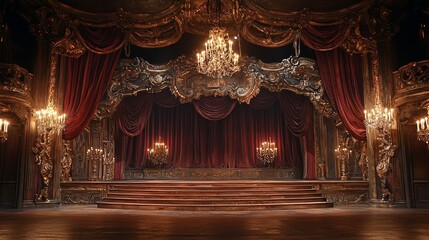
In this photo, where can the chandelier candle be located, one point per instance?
(267, 153)
(218, 59)
(158, 154)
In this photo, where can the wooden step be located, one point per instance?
(215, 201)
(215, 207)
(213, 195)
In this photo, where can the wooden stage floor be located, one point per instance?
(89, 222)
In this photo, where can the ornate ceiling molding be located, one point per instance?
(160, 25)
(299, 75)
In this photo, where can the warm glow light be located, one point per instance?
(218, 59)
(423, 129)
(378, 117)
(4, 124)
(47, 119)
(267, 152)
(158, 154)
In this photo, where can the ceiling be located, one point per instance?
(160, 23)
(169, 26)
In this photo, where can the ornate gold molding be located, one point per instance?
(66, 162)
(411, 83)
(15, 91)
(299, 75)
(386, 152)
(42, 151)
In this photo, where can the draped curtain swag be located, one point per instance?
(88, 76)
(340, 74)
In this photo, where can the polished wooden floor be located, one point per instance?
(90, 222)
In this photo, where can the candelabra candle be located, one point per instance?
(3, 129)
(423, 129)
(267, 152)
(343, 155)
(95, 157)
(94, 152)
(158, 155)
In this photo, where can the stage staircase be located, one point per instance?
(214, 195)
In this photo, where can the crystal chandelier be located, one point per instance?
(158, 154)
(423, 129)
(4, 124)
(267, 152)
(218, 59)
(47, 119)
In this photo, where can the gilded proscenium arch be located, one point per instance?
(132, 76)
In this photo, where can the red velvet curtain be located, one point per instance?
(341, 76)
(87, 77)
(214, 108)
(194, 141)
(324, 38)
(298, 113)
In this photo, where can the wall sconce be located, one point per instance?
(4, 124)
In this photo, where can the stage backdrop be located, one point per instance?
(215, 132)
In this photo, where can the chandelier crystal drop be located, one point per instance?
(218, 59)
(423, 129)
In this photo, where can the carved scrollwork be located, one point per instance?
(15, 87)
(69, 45)
(299, 75)
(355, 43)
(131, 77)
(66, 162)
(42, 151)
(411, 83)
(386, 152)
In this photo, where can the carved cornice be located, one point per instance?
(15, 87)
(299, 75)
(411, 83)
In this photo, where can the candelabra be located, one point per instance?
(95, 157)
(381, 120)
(218, 59)
(267, 152)
(48, 122)
(423, 129)
(158, 155)
(343, 154)
(4, 124)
